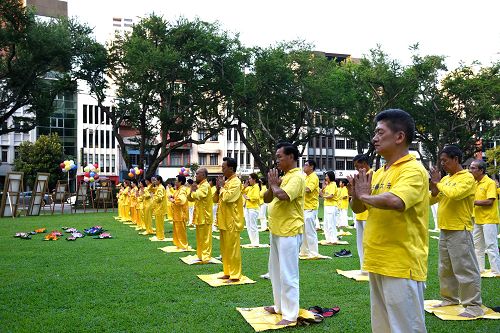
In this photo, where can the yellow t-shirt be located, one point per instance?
(328, 190)
(253, 195)
(311, 199)
(203, 202)
(396, 243)
(286, 218)
(364, 215)
(343, 198)
(456, 201)
(230, 205)
(486, 189)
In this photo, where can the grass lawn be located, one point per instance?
(126, 285)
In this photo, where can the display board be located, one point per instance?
(11, 190)
(104, 198)
(60, 195)
(37, 196)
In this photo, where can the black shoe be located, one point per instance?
(343, 253)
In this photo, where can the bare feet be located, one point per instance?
(285, 322)
(231, 280)
(224, 277)
(270, 309)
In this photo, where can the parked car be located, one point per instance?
(25, 198)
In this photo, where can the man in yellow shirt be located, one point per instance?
(486, 218)
(309, 247)
(286, 225)
(159, 207)
(230, 219)
(179, 204)
(361, 163)
(396, 240)
(201, 194)
(459, 277)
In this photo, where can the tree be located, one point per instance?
(36, 62)
(174, 78)
(493, 159)
(282, 98)
(44, 155)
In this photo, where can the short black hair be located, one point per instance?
(288, 149)
(190, 181)
(331, 175)
(361, 158)
(311, 163)
(231, 162)
(452, 151)
(181, 179)
(398, 120)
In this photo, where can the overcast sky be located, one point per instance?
(461, 30)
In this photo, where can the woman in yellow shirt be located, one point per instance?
(343, 199)
(159, 207)
(148, 207)
(140, 205)
(252, 197)
(330, 195)
(179, 204)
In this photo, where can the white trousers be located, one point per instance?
(284, 274)
(252, 227)
(329, 227)
(397, 305)
(191, 211)
(434, 210)
(343, 221)
(316, 223)
(263, 216)
(214, 216)
(309, 247)
(485, 240)
(360, 229)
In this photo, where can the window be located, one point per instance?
(107, 138)
(349, 165)
(330, 142)
(107, 163)
(214, 159)
(248, 159)
(214, 137)
(16, 152)
(235, 134)
(5, 153)
(340, 164)
(112, 140)
(323, 142)
(202, 159)
(350, 144)
(84, 138)
(339, 143)
(229, 134)
(229, 153)
(323, 163)
(91, 139)
(102, 116)
(175, 158)
(202, 135)
(242, 159)
(91, 114)
(102, 139)
(113, 163)
(329, 164)
(84, 113)
(108, 119)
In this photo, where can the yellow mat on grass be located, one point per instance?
(218, 237)
(452, 312)
(193, 260)
(214, 281)
(128, 223)
(174, 249)
(355, 275)
(261, 320)
(340, 242)
(318, 257)
(488, 274)
(155, 239)
(250, 246)
(344, 233)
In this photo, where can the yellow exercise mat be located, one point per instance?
(452, 312)
(261, 320)
(155, 239)
(214, 281)
(193, 260)
(435, 237)
(339, 242)
(318, 257)
(218, 237)
(355, 275)
(250, 246)
(350, 227)
(344, 233)
(489, 274)
(128, 223)
(174, 249)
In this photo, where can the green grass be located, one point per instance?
(126, 285)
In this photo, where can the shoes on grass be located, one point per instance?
(343, 253)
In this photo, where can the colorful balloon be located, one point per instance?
(96, 177)
(96, 165)
(132, 171)
(92, 174)
(131, 175)
(86, 179)
(86, 169)
(62, 165)
(67, 167)
(91, 179)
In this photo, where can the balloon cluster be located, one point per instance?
(68, 165)
(184, 171)
(134, 172)
(91, 173)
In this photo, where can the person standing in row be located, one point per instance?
(252, 197)
(159, 207)
(179, 202)
(486, 218)
(263, 205)
(361, 163)
(396, 239)
(201, 195)
(148, 207)
(343, 205)
(329, 193)
(230, 219)
(309, 246)
(286, 226)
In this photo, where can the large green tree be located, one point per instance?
(43, 155)
(36, 63)
(173, 78)
(284, 96)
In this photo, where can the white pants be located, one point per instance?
(191, 211)
(485, 240)
(342, 222)
(360, 229)
(252, 227)
(397, 305)
(434, 210)
(214, 216)
(330, 215)
(284, 274)
(309, 246)
(263, 217)
(316, 223)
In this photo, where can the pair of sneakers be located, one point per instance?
(343, 253)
